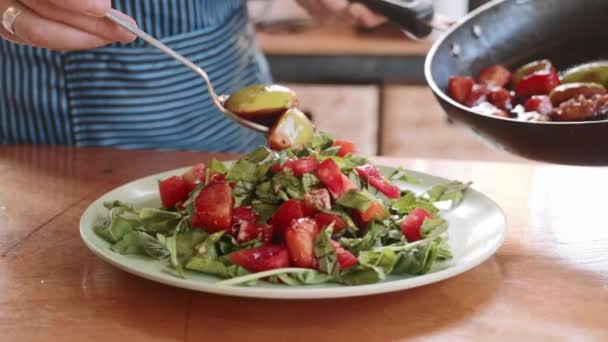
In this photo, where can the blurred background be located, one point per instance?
(367, 86)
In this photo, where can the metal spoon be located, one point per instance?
(217, 99)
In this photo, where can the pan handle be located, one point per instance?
(414, 16)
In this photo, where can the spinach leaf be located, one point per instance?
(153, 247)
(217, 166)
(219, 267)
(208, 246)
(265, 193)
(417, 260)
(309, 181)
(288, 183)
(408, 202)
(243, 170)
(321, 141)
(384, 260)
(118, 226)
(243, 193)
(171, 243)
(361, 275)
(400, 174)
(453, 191)
(304, 278)
(433, 227)
(129, 244)
(371, 239)
(325, 252)
(360, 200)
(158, 220)
(264, 210)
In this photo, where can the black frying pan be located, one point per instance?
(514, 32)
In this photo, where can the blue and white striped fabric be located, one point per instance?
(133, 96)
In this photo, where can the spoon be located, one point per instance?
(217, 99)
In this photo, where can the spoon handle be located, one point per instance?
(114, 17)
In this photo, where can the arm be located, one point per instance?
(354, 12)
(62, 24)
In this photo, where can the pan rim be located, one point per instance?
(428, 74)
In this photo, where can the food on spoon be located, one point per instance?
(293, 129)
(568, 91)
(302, 216)
(596, 72)
(261, 101)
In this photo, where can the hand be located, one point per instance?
(355, 12)
(64, 24)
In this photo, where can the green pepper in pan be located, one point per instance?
(596, 72)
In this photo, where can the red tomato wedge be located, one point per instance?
(540, 103)
(298, 166)
(245, 214)
(173, 190)
(376, 211)
(261, 259)
(288, 212)
(336, 182)
(495, 76)
(346, 147)
(300, 241)
(248, 231)
(325, 219)
(411, 224)
(501, 98)
(538, 83)
(214, 207)
(345, 258)
(460, 88)
(479, 93)
(194, 176)
(372, 175)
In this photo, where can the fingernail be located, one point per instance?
(96, 8)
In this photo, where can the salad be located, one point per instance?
(314, 214)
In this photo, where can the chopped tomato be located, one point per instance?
(300, 241)
(245, 214)
(346, 147)
(325, 219)
(214, 207)
(372, 175)
(460, 88)
(345, 258)
(195, 221)
(247, 231)
(298, 166)
(376, 211)
(195, 176)
(173, 190)
(336, 182)
(315, 200)
(479, 93)
(357, 217)
(411, 224)
(495, 76)
(288, 211)
(261, 259)
(501, 98)
(540, 104)
(538, 83)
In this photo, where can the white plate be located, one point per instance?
(477, 229)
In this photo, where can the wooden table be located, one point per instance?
(549, 281)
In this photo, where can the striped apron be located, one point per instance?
(133, 96)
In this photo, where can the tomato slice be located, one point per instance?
(214, 207)
(261, 259)
(495, 76)
(336, 182)
(245, 214)
(300, 241)
(288, 211)
(346, 259)
(346, 147)
(376, 211)
(538, 83)
(325, 219)
(172, 191)
(540, 104)
(501, 98)
(195, 176)
(479, 93)
(460, 88)
(411, 224)
(372, 175)
(298, 166)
